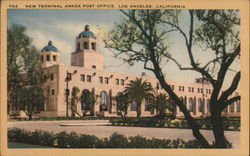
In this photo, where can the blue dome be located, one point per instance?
(50, 47)
(86, 33)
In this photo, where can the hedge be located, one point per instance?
(73, 140)
(156, 122)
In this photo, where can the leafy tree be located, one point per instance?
(29, 99)
(22, 58)
(161, 103)
(143, 36)
(139, 90)
(88, 101)
(122, 103)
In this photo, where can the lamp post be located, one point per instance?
(67, 79)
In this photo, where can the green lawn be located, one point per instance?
(22, 145)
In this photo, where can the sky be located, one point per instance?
(62, 27)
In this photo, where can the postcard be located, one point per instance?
(124, 78)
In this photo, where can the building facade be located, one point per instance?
(87, 73)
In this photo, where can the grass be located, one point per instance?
(22, 145)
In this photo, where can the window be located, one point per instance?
(106, 80)
(122, 82)
(172, 87)
(117, 81)
(103, 101)
(238, 106)
(192, 89)
(200, 105)
(69, 76)
(198, 90)
(42, 58)
(191, 105)
(93, 67)
(206, 91)
(85, 45)
(189, 89)
(78, 46)
(82, 77)
(88, 78)
(54, 57)
(53, 92)
(93, 46)
(47, 57)
(101, 79)
(201, 90)
(179, 88)
(183, 88)
(133, 106)
(208, 106)
(51, 77)
(232, 108)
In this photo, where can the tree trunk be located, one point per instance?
(139, 110)
(30, 115)
(220, 139)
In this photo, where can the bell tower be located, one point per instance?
(49, 56)
(86, 54)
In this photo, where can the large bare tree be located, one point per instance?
(143, 35)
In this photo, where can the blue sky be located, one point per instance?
(62, 27)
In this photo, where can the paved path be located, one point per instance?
(100, 129)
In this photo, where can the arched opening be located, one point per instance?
(208, 106)
(232, 108)
(133, 106)
(85, 45)
(200, 105)
(110, 102)
(103, 101)
(93, 46)
(47, 58)
(238, 106)
(191, 104)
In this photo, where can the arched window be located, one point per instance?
(238, 106)
(93, 46)
(208, 105)
(47, 57)
(232, 108)
(85, 45)
(54, 57)
(42, 59)
(200, 105)
(133, 106)
(78, 46)
(103, 101)
(85, 99)
(191, 105)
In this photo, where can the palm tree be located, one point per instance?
(161, 103)
(138, 91)
(74, 100)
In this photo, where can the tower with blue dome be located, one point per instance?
(49, 56)
(86, 53)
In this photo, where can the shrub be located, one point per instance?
(73, 140)
(138, 142)
(87, 141)
(118, 141)
(65, 140)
